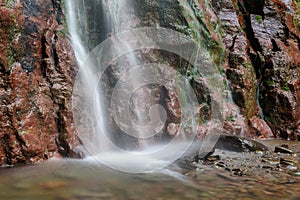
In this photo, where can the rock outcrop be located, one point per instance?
(37, 69)
(262, 42)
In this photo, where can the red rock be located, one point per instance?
(260, 128)
(33, 111)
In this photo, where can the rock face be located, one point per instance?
(262, 41)
(256, 43)
(37, 68)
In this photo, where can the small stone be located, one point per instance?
(292, 168)
(271, 161)
(285, 161)
(213, 158)
(297, 173)
(283, 149)
(221, 164)
(238, 172)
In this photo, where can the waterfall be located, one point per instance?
(75, 29)
(97, 109)
(119, 17)
(79, 35)
(92, 121)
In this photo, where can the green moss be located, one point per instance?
(285, 88)
(63, 136)
(270, 83)
(247, 65)
(259, 19)
(24, 132)
(10, 3)
(297, 15)
(230, 118)
(250, 92)
(61, 33)
(14, 52)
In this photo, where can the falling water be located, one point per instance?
(79, 35)
(94, 120)
(234, 112)
(119, 17)
(261, 112)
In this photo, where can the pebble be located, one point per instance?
(297, 173)
(286, 161)
(270, 161)
(292, 168)
(283, 149)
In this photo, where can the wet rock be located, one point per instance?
(253, 6)
(221, 164)
(283, 149)
(260, 128)
(237, 144)
(271, 161)
(277, 69)
(261, 45)
(173, 129)
(210, 159)
(38, 69)
(238, 172)
(292, 168)
(234, 123)
(239, 70)
(285, 161)
(172, 104)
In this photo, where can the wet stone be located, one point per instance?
(283, 149)
(238, 172)
(271, 161)
(221, 164)
(285, 161)
(296, 173)
(292, 168)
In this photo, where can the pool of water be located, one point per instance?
(61, 179)
(76, 179)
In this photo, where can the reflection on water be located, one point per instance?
(75, 179)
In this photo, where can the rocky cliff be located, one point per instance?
(37, 69)
(256, 41)
(262, 65)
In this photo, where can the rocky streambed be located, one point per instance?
(270, 170)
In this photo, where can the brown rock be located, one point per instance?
(37, 71)
(260, 128)
(173, 129)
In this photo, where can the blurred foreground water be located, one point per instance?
(241, 176)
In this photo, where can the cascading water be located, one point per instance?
(79, 35)
(92, 117)
(119, 17)
(234, 112)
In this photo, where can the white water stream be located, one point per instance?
(92, 120)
